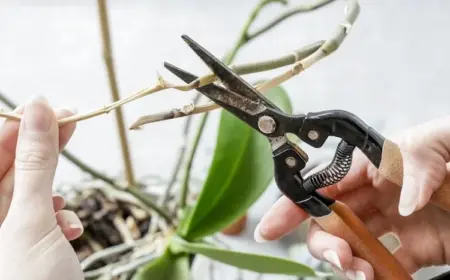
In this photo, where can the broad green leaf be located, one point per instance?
(240, 172)
(168, 267)
(253, 262)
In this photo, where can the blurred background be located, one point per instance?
(392, 71)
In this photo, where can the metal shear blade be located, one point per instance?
(229, 100)
(231, 80)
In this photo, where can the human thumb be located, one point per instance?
(424, 171)
(36, 161)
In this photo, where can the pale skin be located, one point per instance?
(422, 228)
(34, 229)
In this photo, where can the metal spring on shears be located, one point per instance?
(335, 171)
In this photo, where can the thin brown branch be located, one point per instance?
(248, 68)
(65, 153)
(108, 57)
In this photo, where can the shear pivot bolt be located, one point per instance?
(266, 124)
(291, 162)
(313, 135)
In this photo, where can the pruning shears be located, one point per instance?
(245, 102)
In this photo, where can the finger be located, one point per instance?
(8, 141)
(283, 217)
(35, 164)
(377, 224)
(424, 172)
(70, 224)
(405, 260)
(359, 174)
(336, 250)
(327, 247)
(361, 200)
(360, 270)
(65, 133)
(58, 203)
(7, 182)
(425, 150)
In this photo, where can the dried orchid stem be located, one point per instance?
(108, 57)
(325, 49)
(352, 11)
(68, 155)
(248, 68)
(11, 116)
(242, 69)
(134, 191)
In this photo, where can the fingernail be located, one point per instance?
(409, 196)
(75, 226)
(332, 258)
(351, 275)
(72, 220)
(258, 236)
(360, 275)
(36, 119)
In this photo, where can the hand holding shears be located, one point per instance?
(245, 102)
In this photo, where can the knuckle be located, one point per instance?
(34, 155)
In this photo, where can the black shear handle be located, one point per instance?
(334, 216)
(382, 152)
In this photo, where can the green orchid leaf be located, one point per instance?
(168, 267)
(248, 261)
(240, 172)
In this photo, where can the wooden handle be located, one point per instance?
(391, 167)
(342, 222)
